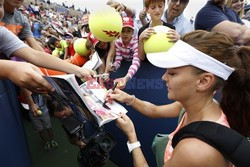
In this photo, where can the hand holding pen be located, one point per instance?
(110, 91)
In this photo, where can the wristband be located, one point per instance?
(132, 101)
(132, 146)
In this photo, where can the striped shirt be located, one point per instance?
(129, 53)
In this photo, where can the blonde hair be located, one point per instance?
(240, 13)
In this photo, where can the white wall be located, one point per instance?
(193, 7)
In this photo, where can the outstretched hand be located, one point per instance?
(85, 73)
(119, 7)
(122, 82)
(28, 76)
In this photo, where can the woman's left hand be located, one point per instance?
(126, 125)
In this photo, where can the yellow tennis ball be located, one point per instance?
(106, 24)
(158, 42)
(80, 47)
(39, 112)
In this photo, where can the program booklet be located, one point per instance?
(88, 95)
(94, 62)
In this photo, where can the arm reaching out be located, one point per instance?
(25, 75)
(43, 59)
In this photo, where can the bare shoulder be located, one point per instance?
(194, 152)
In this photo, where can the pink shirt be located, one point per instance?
(129, 53)
(169, 149)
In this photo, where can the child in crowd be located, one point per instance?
(102, 48)
(155, 9)
(60, 47)
(41, 121)
(70, 49)
(126, 47)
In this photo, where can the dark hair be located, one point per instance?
(54, 105)
(52, 42)
(235, 101)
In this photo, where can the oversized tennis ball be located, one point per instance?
(105, 24)
(80, 47)
(158, 42)
(39, 112)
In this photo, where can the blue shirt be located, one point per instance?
(36, 30)
(211, 15)
(181, 23)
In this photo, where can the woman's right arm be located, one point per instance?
(147, 108)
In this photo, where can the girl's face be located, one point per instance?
(180, 82)
(237, 5)
(1, 9)
(155, 10)
(126, 34)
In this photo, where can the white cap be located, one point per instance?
(183, 54)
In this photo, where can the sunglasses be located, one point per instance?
(183, 2)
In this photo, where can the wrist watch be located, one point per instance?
(132, 146)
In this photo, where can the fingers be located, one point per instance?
(86, 73)
(147, 33)
(143, 14)
(40, 84)
(118, 7)
(173, 36)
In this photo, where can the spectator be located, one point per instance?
(126, 47)
(59, 47)
(70, 41)
(174, 15)
(36, 29)
(41, 123)
(215, 16)
(11, 22)
(102, 48)
(223, 64)
(85, 26)
(155, 10)
(238, 7)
